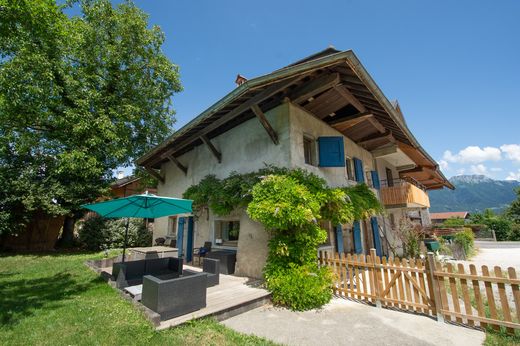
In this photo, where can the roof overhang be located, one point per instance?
(335, 87)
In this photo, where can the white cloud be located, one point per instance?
(473, 154)
(496, 169)
(461, 171)
(479, 169)
(514, 176)
(444, 165)
(511, 151)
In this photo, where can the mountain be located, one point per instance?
(474, 193)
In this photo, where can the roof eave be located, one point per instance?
(365, 77)
(251, 84)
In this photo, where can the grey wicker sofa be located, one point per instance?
(175, 297)
(131, 273)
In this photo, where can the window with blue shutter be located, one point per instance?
(375, 180)
(358, 170)
(358, 246)
(377, 237)
(332, 152)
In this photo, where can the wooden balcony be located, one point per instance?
(403, 194)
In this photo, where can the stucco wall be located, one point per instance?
(382, 165)
(304, 123)
(245, 148)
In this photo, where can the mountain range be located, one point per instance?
(474, 193)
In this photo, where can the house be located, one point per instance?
(438, 218)
(129, 185)
(324, 114)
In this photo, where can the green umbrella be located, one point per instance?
(146, 206)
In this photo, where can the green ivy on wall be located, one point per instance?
(290, 203)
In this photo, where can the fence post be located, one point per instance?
(434, 283)
(375, 275)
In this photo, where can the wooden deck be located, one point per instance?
(234, 295)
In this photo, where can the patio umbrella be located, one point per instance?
(146, 206)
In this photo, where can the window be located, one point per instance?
(389, 177)
(348, 165)
(172, 226)
(308, 150)
(227, 232)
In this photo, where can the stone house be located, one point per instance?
(324, 114)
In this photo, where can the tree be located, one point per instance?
(79, 97)
(513, 212)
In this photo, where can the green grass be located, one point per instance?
(500, 339)
(54, 299)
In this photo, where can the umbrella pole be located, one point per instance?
(126, 237)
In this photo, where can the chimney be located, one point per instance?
(240, 80)
(120, 174)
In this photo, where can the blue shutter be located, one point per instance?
(339, 239)
(358, 246)
(375, 180)
(180, 236)
(358, 170)
(377, 238)
(332, 152)
(189, 240)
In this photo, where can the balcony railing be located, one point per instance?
(400, 193)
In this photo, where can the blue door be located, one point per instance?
(358, 245)
(377, 237)
(189, 240)
(180, 236)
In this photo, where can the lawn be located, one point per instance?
(54, 299)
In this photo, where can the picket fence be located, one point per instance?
(448, 292)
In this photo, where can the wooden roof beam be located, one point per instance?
(214, 151)
(418, 169)
(265, 123)
(381, 152)
(314, 87)
(375, 138)
(405, 167)
(352, 120)
(154, 173)
(373, 121)
(262, 95)
(345, 93)
(178, 164)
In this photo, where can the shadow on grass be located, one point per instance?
(55, 253)
(23, 298)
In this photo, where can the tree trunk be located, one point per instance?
(67, 235)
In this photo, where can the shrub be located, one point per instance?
(98, 233)
(466, 239)
(411, 235)
(301, 287)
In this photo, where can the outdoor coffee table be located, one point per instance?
(154, 252)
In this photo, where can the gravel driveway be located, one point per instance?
(502, 254)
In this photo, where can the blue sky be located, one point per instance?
(454, 66)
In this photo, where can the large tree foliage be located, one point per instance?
(79, 96)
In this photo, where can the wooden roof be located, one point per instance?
(330, 84)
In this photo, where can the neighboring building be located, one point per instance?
(129, 185)
(324, 114)
(438, 218)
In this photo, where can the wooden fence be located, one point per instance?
(477, 299)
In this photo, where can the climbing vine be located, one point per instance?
(290, 203)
